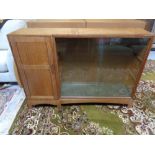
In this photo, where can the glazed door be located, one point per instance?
(99, 67)
(35, 62)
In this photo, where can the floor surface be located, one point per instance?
(11, 109)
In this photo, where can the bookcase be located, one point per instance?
(80, 65)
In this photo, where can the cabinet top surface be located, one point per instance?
(84, 32)
(132, 21)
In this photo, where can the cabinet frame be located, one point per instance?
(50, 35)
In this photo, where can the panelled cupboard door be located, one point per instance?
(34, 57)
(39, 82)
(34, 50)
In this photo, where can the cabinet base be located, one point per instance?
(112, 100)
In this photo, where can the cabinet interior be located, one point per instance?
(99, 67)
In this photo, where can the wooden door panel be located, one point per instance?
(39, 82)
(33, 53)
(35, 59)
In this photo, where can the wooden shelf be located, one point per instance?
(56, 23)
(86, 23)
(119, 23)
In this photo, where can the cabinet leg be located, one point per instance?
(130, 104)
(59, 107)
(29, 104)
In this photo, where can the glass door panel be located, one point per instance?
(99, 67)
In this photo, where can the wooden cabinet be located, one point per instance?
(80, 65)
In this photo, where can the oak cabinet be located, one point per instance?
(62, 66)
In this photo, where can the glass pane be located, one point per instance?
(99, 67)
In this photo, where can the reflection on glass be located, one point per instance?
(101, 67)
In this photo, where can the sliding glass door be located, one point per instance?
(99, 67)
